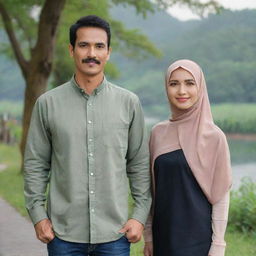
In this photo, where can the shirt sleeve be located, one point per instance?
(138, 164)
(37, 163)
(219, 224)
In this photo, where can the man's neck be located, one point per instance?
(89, 83)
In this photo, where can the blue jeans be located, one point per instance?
(58, 247)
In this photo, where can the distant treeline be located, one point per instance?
(224, 45)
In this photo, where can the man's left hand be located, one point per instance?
(133, 230)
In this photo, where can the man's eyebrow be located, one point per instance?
(100, 43)
(82, 42)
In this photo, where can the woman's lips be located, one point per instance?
(182, 99)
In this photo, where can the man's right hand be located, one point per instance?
(44, 231)
(148, 249)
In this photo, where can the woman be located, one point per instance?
(191, 173)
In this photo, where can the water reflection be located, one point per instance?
(243, 158)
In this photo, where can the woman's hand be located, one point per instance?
(148, 249)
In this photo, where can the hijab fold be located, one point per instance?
(203, 143)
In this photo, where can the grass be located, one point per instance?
(11, 180)
(239, 111)
(239, 244)
(11, 189)
(235, 118)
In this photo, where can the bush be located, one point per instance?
(242, 213)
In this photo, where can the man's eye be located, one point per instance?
(172, 84)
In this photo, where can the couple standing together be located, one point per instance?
(87, 140)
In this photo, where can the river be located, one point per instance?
(243, 170)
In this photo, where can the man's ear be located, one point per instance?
(109, 53)
(71, 50)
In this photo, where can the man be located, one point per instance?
(86, 137)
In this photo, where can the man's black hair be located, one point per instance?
(89, 21)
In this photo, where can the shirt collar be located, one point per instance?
(82, 91)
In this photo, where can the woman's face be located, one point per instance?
(182, 90)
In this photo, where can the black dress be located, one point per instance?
(182, 213)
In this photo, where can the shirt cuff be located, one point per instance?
(217, 249)
(140, 215)
(37, 214)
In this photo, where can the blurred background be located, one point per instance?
(146, 37)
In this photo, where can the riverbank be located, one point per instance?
(241, 136)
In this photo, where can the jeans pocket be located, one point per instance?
(125, 239)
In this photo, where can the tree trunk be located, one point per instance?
(36, 85)
(40, 65)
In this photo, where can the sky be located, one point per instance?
(183, 13)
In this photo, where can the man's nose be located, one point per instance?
(91, 52)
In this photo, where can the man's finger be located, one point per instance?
(123, 230)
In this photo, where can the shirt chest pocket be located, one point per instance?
(115, 135)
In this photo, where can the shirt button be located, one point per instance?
(92, 210)
(89, 121)
(91, 173)
(91, 154)
(91, 191)
(90, 140)
(90, 104)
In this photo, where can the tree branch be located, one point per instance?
(49, 18)
(14, 42)
(25, 31)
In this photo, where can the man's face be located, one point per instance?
(91, 51)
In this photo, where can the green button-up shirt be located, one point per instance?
(85, 147)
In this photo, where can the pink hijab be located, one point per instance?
(203, 143)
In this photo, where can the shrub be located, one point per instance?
(242, 213)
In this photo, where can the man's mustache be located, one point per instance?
(87, 60)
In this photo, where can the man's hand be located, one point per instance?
(44, 231)
(148, 249)
(133, 230)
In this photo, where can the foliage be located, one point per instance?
(229, 65)
(242, 214)
(216, 43)
(239, 244)
(234, 118)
